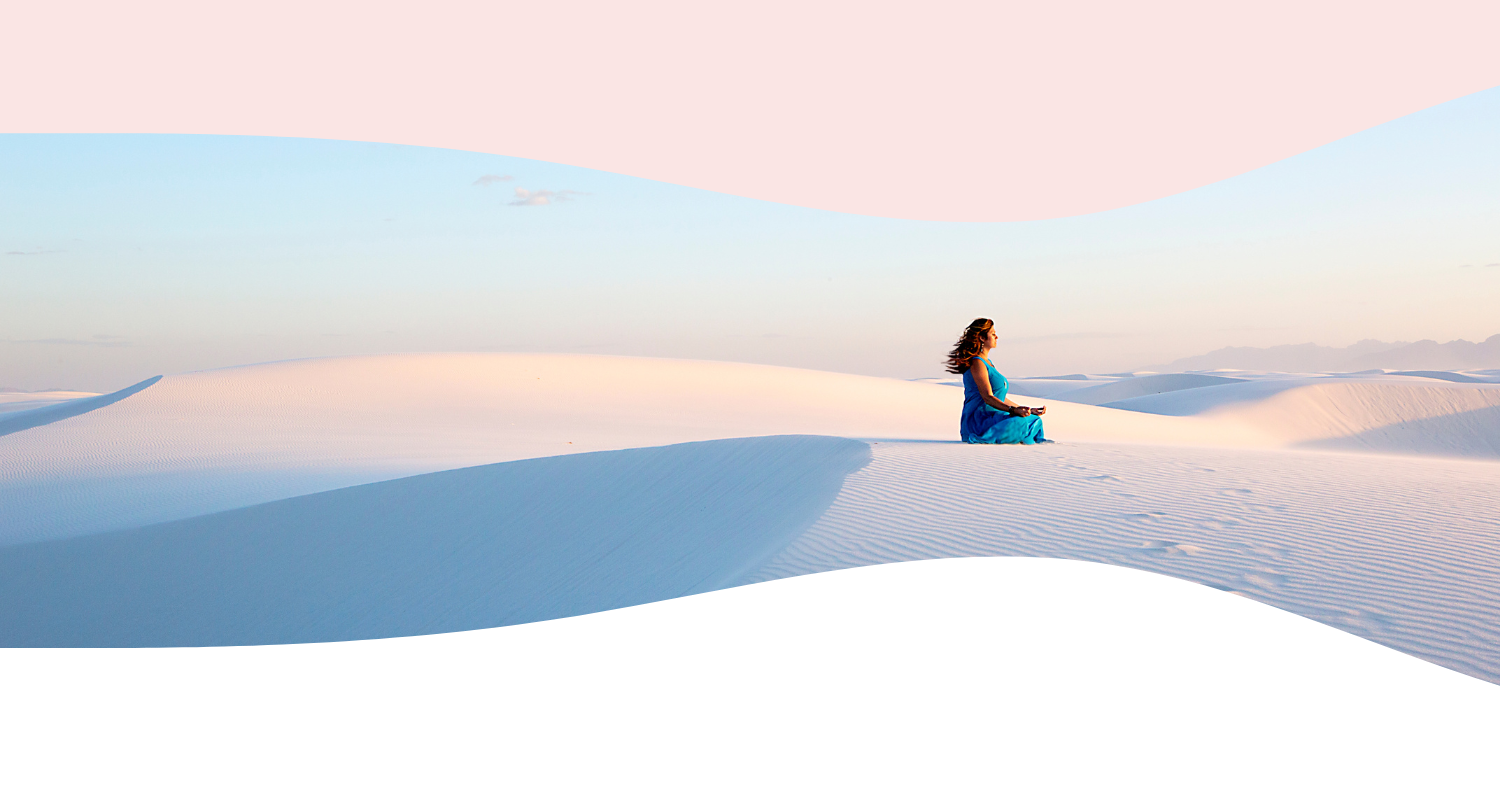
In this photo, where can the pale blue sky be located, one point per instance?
(125, 256)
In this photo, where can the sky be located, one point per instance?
(128, 256)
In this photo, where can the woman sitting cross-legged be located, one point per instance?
(987, 417)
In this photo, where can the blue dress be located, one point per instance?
(982, 424)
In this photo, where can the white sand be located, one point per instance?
(1404, 551)
(501, 544)
(20, 411)
(1401, 415)
(1218, 484)
(12, 401)
(212, 441)
(1145, 385)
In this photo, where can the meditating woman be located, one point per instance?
(987, 417)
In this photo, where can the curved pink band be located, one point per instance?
(953, 111)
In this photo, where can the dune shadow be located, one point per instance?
(1451, 377)
(1190, 401)
(1143, 386)
(17, 421)
(463, 549)
(898, 440)
(1466, 434)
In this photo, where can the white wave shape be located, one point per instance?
(959, 678)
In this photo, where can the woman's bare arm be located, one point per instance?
(982, 380)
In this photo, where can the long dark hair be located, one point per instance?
(970, 346)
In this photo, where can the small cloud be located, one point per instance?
(32, 252)
(542, 197)
(1496, 264)
(487, 181)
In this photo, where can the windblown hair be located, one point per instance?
(969, 347)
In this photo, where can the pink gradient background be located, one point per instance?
(954, 111)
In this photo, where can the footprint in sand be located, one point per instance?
(1362, 620)
(1161, 547)
(1219, 523)
(1103, 478)
(1145, 516)
(1236, 492)
(1265, 579)
(1268, 551)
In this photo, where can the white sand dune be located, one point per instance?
(1052, 387)
(447, 551)
(1407, 416)
(15, 400)
(197, 495)
(211, 441)
(1402, 551)
(1127, 388)
(1199, 400)
(19, 415)
(1452, 377)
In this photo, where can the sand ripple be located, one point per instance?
(1403, 551)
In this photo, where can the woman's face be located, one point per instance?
(991, 338)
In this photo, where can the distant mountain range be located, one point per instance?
(1363, 355)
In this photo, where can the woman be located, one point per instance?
(987, 417)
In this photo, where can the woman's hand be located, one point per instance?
(1020, 411)
(1040, 410)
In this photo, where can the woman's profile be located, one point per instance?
(987, 417)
